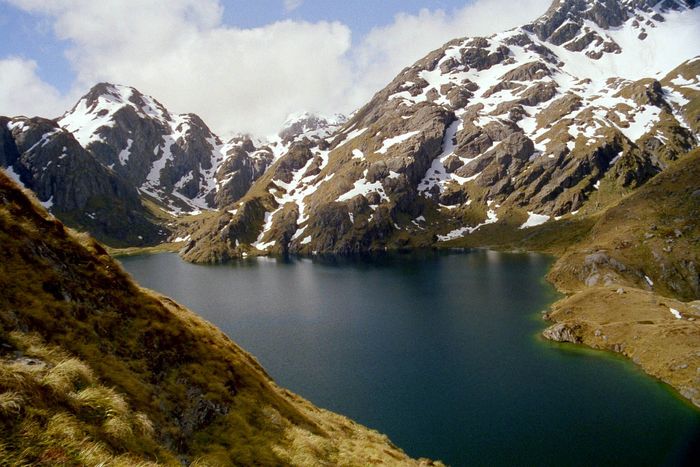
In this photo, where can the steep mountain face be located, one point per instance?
(245, 160)
(117, 144)
(72, 184)
(172, 158)
(556, 118)
(95, 370)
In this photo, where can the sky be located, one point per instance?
(242, 65)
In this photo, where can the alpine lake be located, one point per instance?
(441, 352)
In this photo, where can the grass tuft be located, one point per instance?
(11, 404)
(68, 376)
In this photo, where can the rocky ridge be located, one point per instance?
(177, 159)
(125, 146)
(171, 158)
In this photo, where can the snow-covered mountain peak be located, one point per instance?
(310, 125)
(522, 126)
(99, 108)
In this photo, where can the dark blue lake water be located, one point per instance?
(441, 353)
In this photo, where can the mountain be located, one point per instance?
(309, 125)
(95, 370)
(245, 159)
(73, 185)
(558, 118)
(119, 158)
(124, 150)
(176, 159)
(172, 158)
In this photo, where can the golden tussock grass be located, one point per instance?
(95, 370)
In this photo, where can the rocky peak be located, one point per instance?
(169, 157)
(103, 102)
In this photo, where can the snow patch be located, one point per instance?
(534, 220)
(643, 121)
(364, 187)
(125, 153)
(491, 218)
(390, 142)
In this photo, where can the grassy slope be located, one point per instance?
(653, 232)
(95, 369)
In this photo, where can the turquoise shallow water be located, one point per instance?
(440, 352)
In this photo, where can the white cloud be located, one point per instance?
(291, 5)
(22, 92)
(249, 79)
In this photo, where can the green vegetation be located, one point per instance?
(171, 247)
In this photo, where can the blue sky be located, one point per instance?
(242, 65)
(360, 15)
(30, 36)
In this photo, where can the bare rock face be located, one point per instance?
(73, 184)
(244, 162)
(563, 332)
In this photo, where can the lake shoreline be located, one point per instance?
(474, 323)
(664, 347)
(584, 324)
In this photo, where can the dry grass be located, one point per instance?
(54, 410)
(95, 370)
(639, 325)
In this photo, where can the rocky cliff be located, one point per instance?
(73, 185)
(171, 158)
